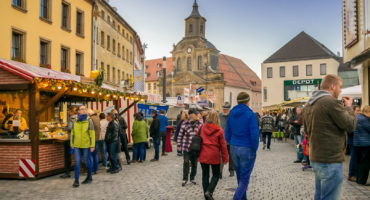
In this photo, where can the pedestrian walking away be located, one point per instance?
(326, 122)
(267, 127)
(83, 142)
(213, 146)
(188, 129)
(164, 122)
(140, 137)
(122, 135)
(155, 133)
(242, 134)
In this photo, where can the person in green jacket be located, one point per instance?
(140, 137)
(83, 142)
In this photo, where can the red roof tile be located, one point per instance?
(151, 68)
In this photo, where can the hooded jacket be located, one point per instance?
(139, 131)
(326, 122)
(242, 127)
(164, 122)
(213, 145)
(361, 136)
(83, 134)
(155, 127)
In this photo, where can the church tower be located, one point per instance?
(195, 24)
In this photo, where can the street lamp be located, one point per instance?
(172, 83)
(164, 79)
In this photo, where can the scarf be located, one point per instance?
(82, 117)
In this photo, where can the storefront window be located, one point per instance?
(294, 89)
(14, 107)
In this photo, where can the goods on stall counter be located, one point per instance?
(52, 130)
(24, 135)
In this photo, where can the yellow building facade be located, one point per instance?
(114, 49)
(356, 41)
(54, 34)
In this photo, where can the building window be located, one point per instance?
(158, 73)
(123, 52)
(108, 19)
(179, 64)
(189, 64)
(154, 86)
(119, 76)
(123, 32)
(231, 98)
(114, 74)
(64, 59)
(44, 54)
(17, 46)
(282, 71)
(45, 9)
(102, 68)
(119, 28)
(308, 70)
(200, 63)
(102, 38)
(79, 22)
(159, 65)
(131, 39)
(123, 75)
(201, 29)
(114, 46)
(119, 50)
(190, 28)
(269, 72)
(295, 71)
(108, 72)
(149, 86)
(65, 15)
(265, 94)
(102, 14)
(114, 24)
(127, 55)
(108, 42)
(130, 57)
(323, 69)
(19, 3)
(79, 65)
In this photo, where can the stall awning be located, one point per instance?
(353, 92)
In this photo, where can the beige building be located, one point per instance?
(356, 41)
(115, 43)
(296, 70)
(197, 63)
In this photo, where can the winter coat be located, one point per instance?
(213, 145)
(139, 131)
(97, 128)
(83, 134)
(242, 127)
(103, 128)
(267, 124)
(112, 132)
(155, 127)
(164, 122)
(326, 122)
(187, 131)
(178, 127)
(223, 120)
(361, 136)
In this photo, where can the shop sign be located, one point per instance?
(147, 109)
(180, 101)
(303, 82)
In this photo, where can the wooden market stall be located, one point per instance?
(34, 151)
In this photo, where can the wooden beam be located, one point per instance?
(51, 102)
(130, 106)
(34, 100)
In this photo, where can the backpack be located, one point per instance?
(196, 143)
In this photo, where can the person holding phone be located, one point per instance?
(16, 123)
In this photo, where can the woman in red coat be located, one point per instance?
(213, 146)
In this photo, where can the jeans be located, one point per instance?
(103, 151)
(363, 157)
(67, 156)
(95, 158)
(124, 142)
(139, 148)
(210, 186)
(188, 156)
(353, 163)
(156, 143)
(112, 150)
(163, 135)
(86, 155)
(244, 158)
(297, 139)
(328, 180)
(264, 134)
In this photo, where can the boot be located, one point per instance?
(76, 184)
(87, 181)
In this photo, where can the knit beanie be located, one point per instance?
(243, 97)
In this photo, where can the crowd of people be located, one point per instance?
(232, 136)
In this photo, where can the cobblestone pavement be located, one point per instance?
(275, 176)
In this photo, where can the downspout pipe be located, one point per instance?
(92, 35)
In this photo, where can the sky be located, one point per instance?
(251, 30)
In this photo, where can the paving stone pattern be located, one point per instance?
(275, 176)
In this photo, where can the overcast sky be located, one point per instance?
(251, 30)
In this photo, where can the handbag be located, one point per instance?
(196, 143)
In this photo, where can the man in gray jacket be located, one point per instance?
(327, 122)
(223, 119)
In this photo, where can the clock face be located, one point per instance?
(189, 50)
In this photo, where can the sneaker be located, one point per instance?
(297, 161)
(76, 184)
(208, 196)
(115, 171)
(106, 167)
(232, 173)
(264, 147)
(193, 182)
(65, 176)
(134, 161)
(87, 181)
(153, 160)
(353, 179)
(184, 183)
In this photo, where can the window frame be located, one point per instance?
(295, 67)
(267, 72)
(200, 62)
(80, 32)
(48, 17)
(108, 42)
(108, 73)
(67, 57)
(81, 70)
(66, 27)
(22, 7)
(102, 38)
(323, 64)
(190, 28)
(308, 66)
(22, 45)
(48, 53)
(282, 69)
(114, 46)
(188, 64)
(114, 75)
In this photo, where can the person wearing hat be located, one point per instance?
(223, 119)
(189, 128)
(242, 134)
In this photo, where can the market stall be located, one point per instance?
(33, 105)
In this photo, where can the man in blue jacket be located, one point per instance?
(164, 122)
(242, 134)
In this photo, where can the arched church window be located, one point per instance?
(190, 28)
(200, 62)
(189, 63)
(179, 64)
(201, 29)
